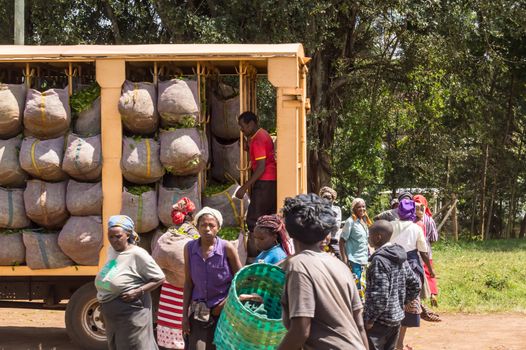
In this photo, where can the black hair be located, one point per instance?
(247, 117)
(383, 228)
(309, 218)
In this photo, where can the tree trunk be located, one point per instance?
(114, 24)
(490, 210)
(483, 193)
(454, 218)
(523, 227)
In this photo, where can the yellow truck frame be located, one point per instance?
(286, 68)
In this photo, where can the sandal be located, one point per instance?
(429, 316)
(434, 300)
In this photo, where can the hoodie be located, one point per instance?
(390, 285)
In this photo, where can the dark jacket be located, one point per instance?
(390, 285)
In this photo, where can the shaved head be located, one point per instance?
(380, 233)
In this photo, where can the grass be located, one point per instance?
(481, 276)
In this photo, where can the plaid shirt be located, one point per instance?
(390, 285)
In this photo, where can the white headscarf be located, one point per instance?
(210, 211)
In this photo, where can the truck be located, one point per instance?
(71, 288)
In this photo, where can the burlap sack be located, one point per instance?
(43, 158)
(138, 107)
(155, 237)
(84, 198)
(11, 173)
(12, 210)
(83, 157)
(224, 117)
(229, 206)
(141, 209)
(169, 196)
(12, 249)
(45, 203)
(169, 253)
(225, 161)
(177, 99)
(241, 248)
(184, 151)
(43, 252)
(47, 114)
(88, 121)
(140, 162)
(81, 239)
(12, 99)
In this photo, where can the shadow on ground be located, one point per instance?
(35, 338)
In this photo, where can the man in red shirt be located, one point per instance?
(263, 180)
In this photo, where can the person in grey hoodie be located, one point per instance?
(391, 284)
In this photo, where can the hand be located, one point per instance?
(240, 193)
(132, 295)
(251, 297)
(216, 311)
(432, 274)
(369, 325)
(186, 325)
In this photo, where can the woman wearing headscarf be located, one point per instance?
(123, 288)
(331, 195)
(210, 265)
(431, 235)
(354, 244)
(411, 237)
(271, 239)
(170, 314)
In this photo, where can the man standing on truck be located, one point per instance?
(262, 183)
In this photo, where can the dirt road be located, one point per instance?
(44, 330)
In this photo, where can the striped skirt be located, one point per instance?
(170, 317)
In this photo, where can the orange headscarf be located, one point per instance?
(422, 200)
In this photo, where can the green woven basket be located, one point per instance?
(241, 328)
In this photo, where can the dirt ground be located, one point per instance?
(44, 330)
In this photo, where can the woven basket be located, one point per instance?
(241, 328)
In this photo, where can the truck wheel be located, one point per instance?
(84, 322)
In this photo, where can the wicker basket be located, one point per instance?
(241, 328)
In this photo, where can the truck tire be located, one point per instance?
(84, 322)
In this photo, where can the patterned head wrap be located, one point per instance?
(210, 211)
(326, 189)
(274, 224)
(407, 210)
(126, 223)
(181, 209)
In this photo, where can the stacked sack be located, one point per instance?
(53, 194)
(163, 151)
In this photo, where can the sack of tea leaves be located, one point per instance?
(81, 239)
(83, 157)
(140, 162)
(11, 173)
(84, 198)
(178, 100)
(45, 203)
(184, 151)
(47, 114)
(12, 210)
(138, 107)
(12, 100)
(43, 252)
(43, 158)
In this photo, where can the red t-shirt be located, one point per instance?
(262, 147)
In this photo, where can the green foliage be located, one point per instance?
(214, 188)
(139, 190)
(404, 93)
(481, 276)
(229, 233)
(83, 99)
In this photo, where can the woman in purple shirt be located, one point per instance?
(210, 265)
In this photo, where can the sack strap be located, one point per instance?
(43, 109)
(33, 158)
(42, 249)
(139, 214)
(148, 158)
(10, 208)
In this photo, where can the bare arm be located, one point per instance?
(343, 252)
(358, 318)
(297, 334)
(235, 266)
(188, 289)
(425, 257)
(260, 169)
(136, 293)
